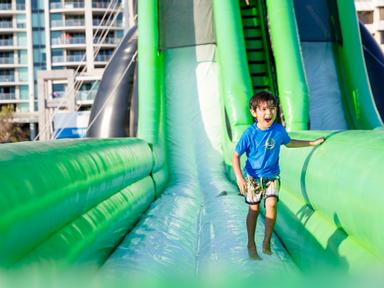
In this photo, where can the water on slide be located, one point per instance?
(197, 226)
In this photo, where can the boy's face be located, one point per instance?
(265, 114)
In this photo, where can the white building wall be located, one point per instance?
(31, 90)
(371, 13)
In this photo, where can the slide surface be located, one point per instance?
(322, 84)
(198, 224)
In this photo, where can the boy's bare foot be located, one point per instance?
(267, 251)
(267, 248)
(252, 252)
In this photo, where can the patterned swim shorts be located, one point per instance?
(258, 188)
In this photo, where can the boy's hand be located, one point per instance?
(316, 142)
(242, 185)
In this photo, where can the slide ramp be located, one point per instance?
(198, 224)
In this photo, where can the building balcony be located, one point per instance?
(86, 95)
(7, 78)
(20, 6)
(82, 96)
(6, 42)
(107, 40)
(7, 60)
(58, 59)
(68, 58)
(75, 58)
(69, 41)
(7, 26)
(101, 5)
(75, 22)
(99, 22)
(57, 23)
(112, 40)
(4, 25)
(103, 58)
(7, 96)
(66, 5)
(5, 6)
(68, 23)
(56, 5)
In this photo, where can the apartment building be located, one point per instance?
(16, 61)
(371, 13)
(55, 35)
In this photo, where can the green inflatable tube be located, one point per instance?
(292, 86)
(236, 82)
(365, 159)
(160, 178)
(358, 94)
(160, 167)
(64, 180)
(151, 91)
(316, 180)
(149, 73)
(315, 242)
(93, 236)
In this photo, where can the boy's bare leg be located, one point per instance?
(270, 220)
(253, 212)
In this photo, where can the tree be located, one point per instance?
(10, 131)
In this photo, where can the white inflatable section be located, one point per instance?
(326, 110)
(197, 227)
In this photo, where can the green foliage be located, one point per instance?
(10, 131)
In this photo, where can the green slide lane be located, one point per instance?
(198, 224)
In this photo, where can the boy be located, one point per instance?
(261, 142)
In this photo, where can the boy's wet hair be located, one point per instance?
(260, 97)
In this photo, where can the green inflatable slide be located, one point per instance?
(165, 203)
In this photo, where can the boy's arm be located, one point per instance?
(239, 175)
(304, 143)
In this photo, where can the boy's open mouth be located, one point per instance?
(268, 120)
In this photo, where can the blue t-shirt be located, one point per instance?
(262, 148)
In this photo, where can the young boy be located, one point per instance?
(261, 142)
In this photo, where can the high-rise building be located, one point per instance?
(55, 35)
(371, 13)
(16, 59)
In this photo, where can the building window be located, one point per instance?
(365, 16)
(381, 37)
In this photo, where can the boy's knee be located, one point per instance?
(271, 203)
(254, 209)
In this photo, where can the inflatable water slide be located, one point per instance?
(164, 201)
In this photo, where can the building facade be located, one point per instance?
(371, 13)
(51, 35)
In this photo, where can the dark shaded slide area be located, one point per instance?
(374, 61)
(111, 114)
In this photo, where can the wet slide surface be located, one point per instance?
(197, 226)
